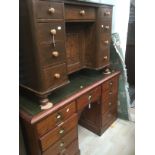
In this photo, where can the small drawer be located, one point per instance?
(51, 32)
(59, 132)
(111, 85)
(63, 143)
(79, 13)
(49, 10)
(50, 55)
(55, 119)
(106, 13)
(89, 97)
(105, 27)
(55, 76)
(109, 116)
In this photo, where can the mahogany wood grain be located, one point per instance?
(89, 97)
(54, 135)
(42, 10)
(63, 143)
(55, 119)
(73, 12)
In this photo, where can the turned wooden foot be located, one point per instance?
(45, 104)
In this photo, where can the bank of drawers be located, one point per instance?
(56, 132)
(109, 101)
(50, 34)
(104, 30)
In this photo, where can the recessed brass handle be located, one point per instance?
(57, 75)
(62, 144)
(106, 57)
(111, 83)
(53, 31)
(61, 131)
(106, 42)
(51, 10)
(82, 12)
(107, 27)
(89, 97)
(55, 53)
(107, 13)
(58, 116)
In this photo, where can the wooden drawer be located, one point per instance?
(55, 76)
(105, 27)
(111, 85)
(44, 32)
(109, 117)
(79, 13)
(49, 10)
(106, 13)
(55, 119)
(59, 132)
(63, 143)
(50, 55)
(89, 97)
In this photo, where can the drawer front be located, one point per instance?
(106, 13)
(63, 143)
(89, 97)
(79, 13)
(54, 76)
(59, 132)
(105, 27)
(50, 55)
(109, 116)
(110, 93)
(103, 48)
(49, 10)
(55, 119)
(51, 32)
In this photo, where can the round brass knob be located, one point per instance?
(53, 31)
(55, 53)
(57, 75)
(51, 10)
(61, 131)
(111, 83)
(105, 58)
(107, 27)
(62, 144)
(82, 12)
(106, 42)
(110, 93)
(107, 13)
(89, 97)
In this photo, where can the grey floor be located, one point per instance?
(119, 139)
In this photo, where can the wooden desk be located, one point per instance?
(90, 99)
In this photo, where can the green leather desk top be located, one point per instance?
(78, 81)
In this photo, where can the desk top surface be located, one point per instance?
(79, 82)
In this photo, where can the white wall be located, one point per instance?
(120, 19)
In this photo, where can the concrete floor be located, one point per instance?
(119, 139)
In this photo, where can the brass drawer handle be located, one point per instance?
(67, 110)
(107, 13)
(82, 12)
(61, 131)
(111, 83)
(110, 93)
(107, 27)
(62, 144)
(106, 57)
(57, 75)
(53, 31)
(51, 10)
(55, 53)
(106, 42)
(89, 97)
(58, 116)
(110, 103)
